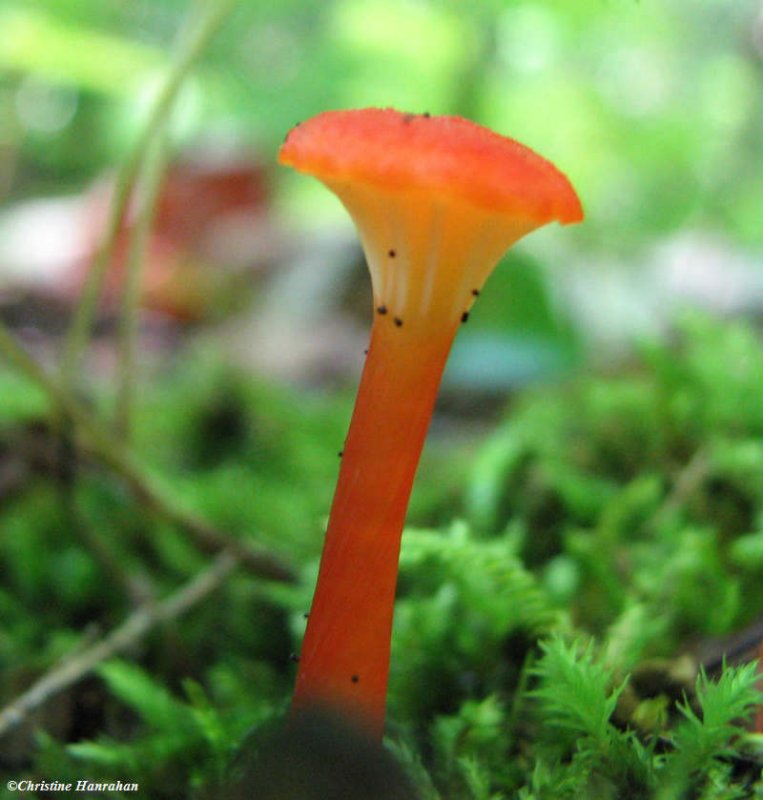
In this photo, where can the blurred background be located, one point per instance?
(628, 482)
(653, 109)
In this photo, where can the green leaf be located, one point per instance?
(155, 704)
(72, 53)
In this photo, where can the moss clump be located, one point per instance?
(556, 638)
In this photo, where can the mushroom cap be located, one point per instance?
(448, 155)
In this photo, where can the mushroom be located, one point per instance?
(437, 201)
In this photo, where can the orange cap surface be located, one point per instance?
(449, 155)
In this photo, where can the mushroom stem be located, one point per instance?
(344, 661)
(437, 201)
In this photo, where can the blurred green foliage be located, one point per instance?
(652, 108)
(622, 508)
(564, 573)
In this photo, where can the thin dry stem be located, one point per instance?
(109, 451)
(192, 40)
(152, 176)
(141, 622)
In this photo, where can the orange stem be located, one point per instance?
(344, 661)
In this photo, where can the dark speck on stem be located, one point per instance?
(293, 657)
(465, 316)
(340, 453)
(426, 115)
(476, 292)
(382, 309)
(355, 679)
(391, 253)
(398, 322)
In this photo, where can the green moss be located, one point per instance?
(544, 634)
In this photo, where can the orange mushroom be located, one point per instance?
(437, 201)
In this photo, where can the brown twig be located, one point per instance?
(71, 670)
(112, 453)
